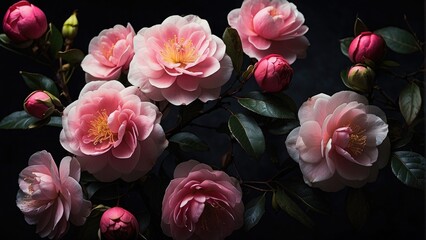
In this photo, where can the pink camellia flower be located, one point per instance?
(39, 104)
(179, 61)
(109, 54)
(342, 141)
(118, 223)
(273, 73)
(367, 45)
(52, 198)
(270, 26)
(201, 203)
(24, 21)
(114, 131)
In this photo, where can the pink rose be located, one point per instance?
(24, 21)
(201, 203)
(367, 45)
(180, 61)
(39, 104)
(267, 27)
(273, 73)
(49, 197)
(118, 223)
(342, 141)
(114, 131)
(109, 54)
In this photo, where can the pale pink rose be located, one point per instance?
(52, 198)
(114, 131)
(270, 27)
(201, 203)
(109, 53)
(179, 61)
(342, 141)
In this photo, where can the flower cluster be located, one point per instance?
(128, 131)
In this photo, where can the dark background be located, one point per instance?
(399, 212)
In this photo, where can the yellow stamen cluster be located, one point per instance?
(100, 130)
(179, 51)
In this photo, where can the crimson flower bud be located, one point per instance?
(367, 45)
(118, 223)
(273, 73)
(361, 78)
(40, 104)
(24, 21)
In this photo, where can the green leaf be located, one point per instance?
(36, 81)
(282, 126)
(55, 121)
(359, 27)
(291, 208)
(90, 228)
(188, 112)
(55, 40)
(307, 196)
(410, 102)
(247, 133)
(189, 142)
(399, 40)
(254, 211)
(18, 120)
(344, 45)
(234, 47)
(269, 105)
(73, 56)
(357, 208)
(409, 168)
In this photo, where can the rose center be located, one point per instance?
(179, 51)
(99, 129)
(352, 140)
(107, 51)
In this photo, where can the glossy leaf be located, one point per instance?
(307, 196)
(359, 27)
(399, 40)
(254, 211)
(18, 120)
(357, 208)
(248, 72)
(55, 40)
(36, 81)
(189, 142)
(410, 102)
(73, 56)
(291, 208)
(234, 47)
(265, 104)
(55, 121)
(409, 168)
(344, 45)
(247, 133)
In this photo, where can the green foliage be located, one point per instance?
(18, 120)
(254, 210)
(409, 168)
(399, 40)
(410, 102)
(247, 133)
(36, 81)
(72, 56)
(189, 142)
(359, 27)
(54, 40)
(344, 45)
(234, 48)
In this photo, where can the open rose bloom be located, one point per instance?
(270, 27)
(342, 141)
(114, 131)
(179, 61)
(201, 203)
(52, 198)
(109, 53)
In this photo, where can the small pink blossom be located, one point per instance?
(179, 61)
(50, 198)
(201, 203)
(270, 26)
(118, 223)
(367, 46)
(114, 131)
(273, 73)
(109, 54)
(342, 141)
(24, 21)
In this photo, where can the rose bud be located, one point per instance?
(367, 45)
(118, 223)
(70, 27)
(273, 73)
(40, 104)
(360, 78)
(23, 21)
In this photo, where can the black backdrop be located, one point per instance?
(400, 214)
